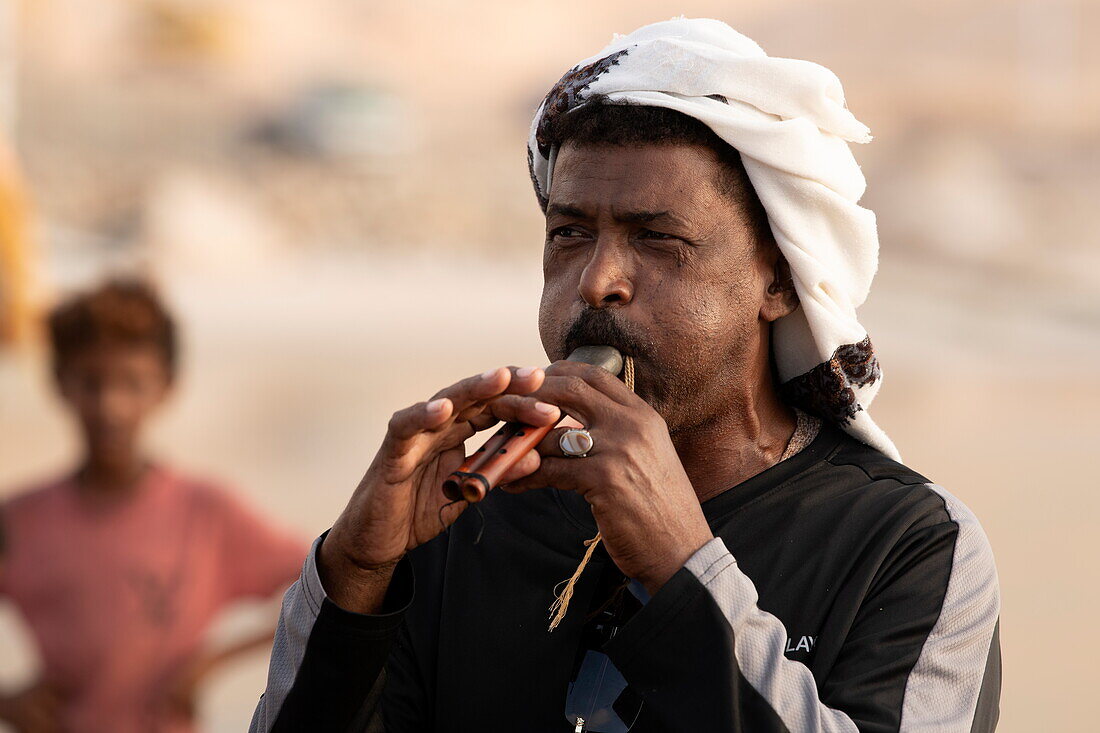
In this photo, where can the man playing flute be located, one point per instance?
(765, 563)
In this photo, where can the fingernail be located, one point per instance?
(437, 405)
(545, 409)
(487, 375)
(526, 371)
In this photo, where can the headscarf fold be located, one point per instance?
(788, 120)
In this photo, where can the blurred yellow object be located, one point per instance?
(184, 31)
(16, 312)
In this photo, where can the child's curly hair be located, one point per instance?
(119, 312)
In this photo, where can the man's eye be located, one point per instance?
(566, 233)
(650, 234)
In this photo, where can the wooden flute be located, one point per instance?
(482, 471)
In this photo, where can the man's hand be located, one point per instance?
(398, 504)
(35, 709)
(641, 498)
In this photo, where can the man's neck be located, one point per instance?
(735, 445)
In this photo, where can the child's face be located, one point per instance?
(112, 389)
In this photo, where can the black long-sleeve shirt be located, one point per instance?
(842, 592)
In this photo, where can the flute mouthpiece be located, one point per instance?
(606, 357)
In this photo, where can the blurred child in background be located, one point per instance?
(120, 566)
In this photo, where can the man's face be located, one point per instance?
(644, 252)
(112, 389)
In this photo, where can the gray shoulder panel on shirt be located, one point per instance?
(301, 606)
(944, 686)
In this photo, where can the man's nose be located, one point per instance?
(606, 281)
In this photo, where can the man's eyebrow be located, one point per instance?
(641, 217)
(570, 210)
(630, 217)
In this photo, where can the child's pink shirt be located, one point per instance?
(119, 598)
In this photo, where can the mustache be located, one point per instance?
(603, 327)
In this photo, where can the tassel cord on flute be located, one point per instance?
(560, 606)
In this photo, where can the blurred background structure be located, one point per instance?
(307, 182)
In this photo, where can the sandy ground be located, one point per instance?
(291, 375)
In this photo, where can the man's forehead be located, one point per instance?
(644, 182)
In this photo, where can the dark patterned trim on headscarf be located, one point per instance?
(568, 93)
(544, 199)
(826, 390)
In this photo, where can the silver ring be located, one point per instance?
(576, 443)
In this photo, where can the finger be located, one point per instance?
(419, 418)
(567, 474)
(576, 397)
(406, 426)
(404, 446)
(472, 390)
(455, 435)
(451, 401)
(482, 421)
(550, 446)
(502, 380)
(568, 422)
(524, 410)
(513, 408)
(524, 467)
(523, 381)
(597, 377)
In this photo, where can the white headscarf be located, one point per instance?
(788, 120)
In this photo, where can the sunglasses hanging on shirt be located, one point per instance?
(599, 699)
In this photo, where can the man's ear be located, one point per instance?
(780, 299)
